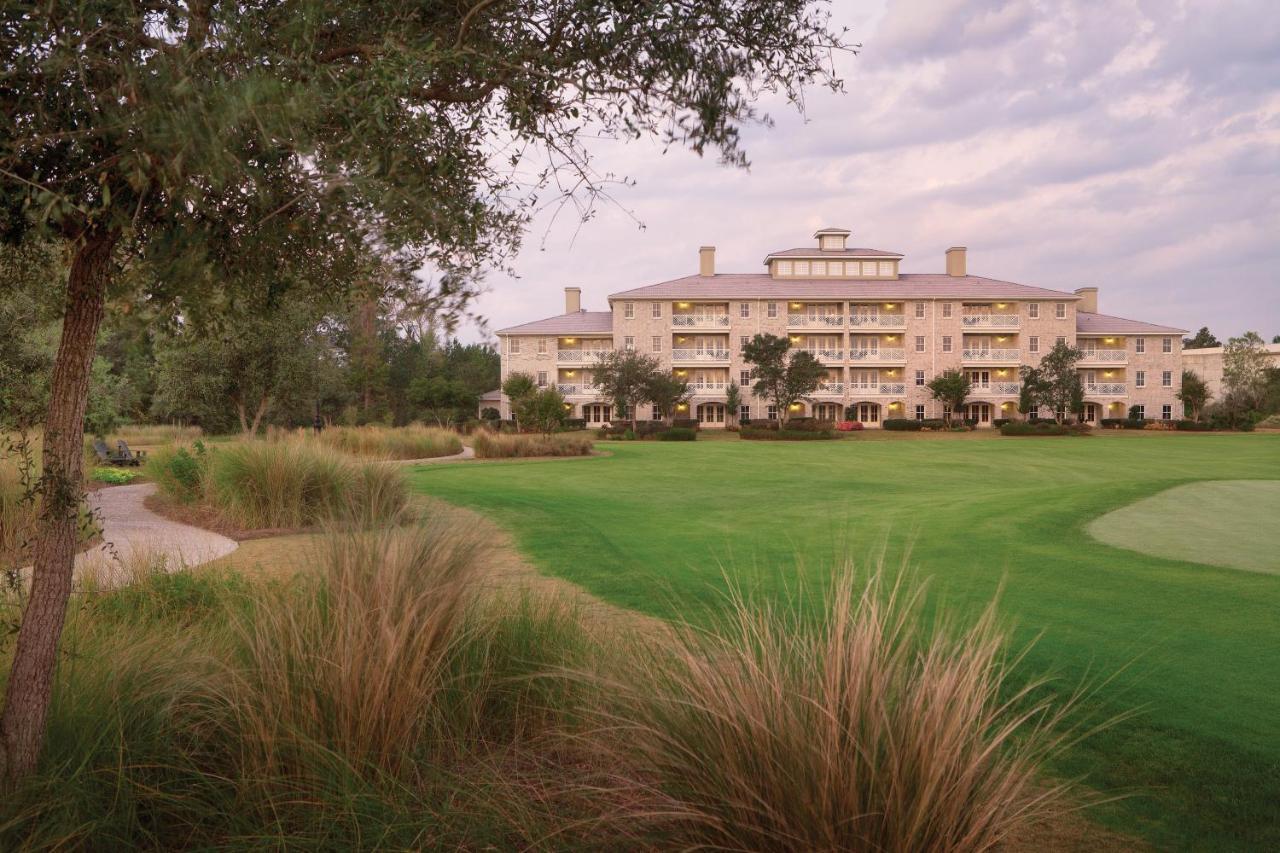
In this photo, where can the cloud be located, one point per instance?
(1133, 145)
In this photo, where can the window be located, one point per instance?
(1033, 310)
(628, 342)
(744, 377)
(1166, 412)
(542, 378)
(657, 343)
(743, 340)
(819, 267)
(886, 268)
(919, 343)
(919, 310)
(771, 412)
(946, 410)
(802, 267)
(946, 310)
(772, 310)
(1033, 343)
(744, 413)
(1139, 344)
(514, 346)
(655, 310)
(920, 411)
(1140, 379)
(628, 310)
(744, 310)
(784, 267)
(655, 414)
(1166, 345)
(1138, 412)
(919, 377)
(542, 346)
(1166, 379)
(1061, 339)
(1060, 310)
(946, 343)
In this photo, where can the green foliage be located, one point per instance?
(732, 400)
(114, 476)
(625, 377)
(781, 379)
(1194, 394)
(1244, 372)
(1202, 339)
(543, 411)
(518, 386)
(179, 472)
(666, 392)
(902, 424)
(678, 434)
(950, 387)
(1042, 427)
(443, 400)
(491, 446)
(1055, 383)
(751, 433)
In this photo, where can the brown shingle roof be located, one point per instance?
(577, 323)
(815, 252)
(1103, 324)
(908, 286)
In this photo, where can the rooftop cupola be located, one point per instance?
(833, 239)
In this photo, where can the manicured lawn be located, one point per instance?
(1195, 649)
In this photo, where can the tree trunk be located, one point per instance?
(244, 418)
(26, 707)
(258, 415)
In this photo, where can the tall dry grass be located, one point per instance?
(500, 446)
(145, 435)
(408, 442)
(867, 730)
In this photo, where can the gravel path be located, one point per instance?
(131, 530)
(468, 452)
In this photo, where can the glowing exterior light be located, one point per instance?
(569, 373)
(795, 339)
(1109, 340)
(682, 304)
(795, 407)
(682, 406)
(888, 305)
(796, 305)
(1000, 304)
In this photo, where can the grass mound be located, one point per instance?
(274, 484)
(499, 446)
(410, 442)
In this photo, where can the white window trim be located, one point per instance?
(628, 310)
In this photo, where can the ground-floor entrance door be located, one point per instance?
(711, 414)
(1091, 413)
(868, 413)
(597, 413)
(980, 412)
(827, 411)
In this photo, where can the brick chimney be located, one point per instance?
(572, 300)
(707, 260)
(956, 265)
(1088, 299)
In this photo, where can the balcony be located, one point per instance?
(829, 389)
(1104, 356)
(878, 321)
(1105, 389)
(881, 389)
(815, 321)
(572, 390)
(580, 356)
(989, 321)
(701, 356)
(708, 386)
(825, 354)
(880, 354)
(990, 356)
(700, 321)
(997, 389)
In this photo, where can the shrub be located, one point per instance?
(902, 424)
(849, 426)
(114, 476)
(518, 446)
(933, 424)
(678, 434)
(1042, 428)
(999, 422)
(871, 727)
(685, 423)
(756, 434)
(179, 472)
(571, 424)
(1192, 426)
(1134, 423)
(409, 442)
(489, 413)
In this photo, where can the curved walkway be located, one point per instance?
(467, 452)
(131, 532)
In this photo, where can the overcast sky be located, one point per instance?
(1132, 146)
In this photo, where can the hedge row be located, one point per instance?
(759, 434)
(1042, 428)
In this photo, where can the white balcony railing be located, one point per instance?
(569, 389)
(699, 355)
(989, 321)
(825, 354)
(827, 388)
(1006, 388)
(820, 320)
(878, 388)
(1109, 356)
(580, 355)
(878, 354)
(1105, 389)
(990, 355)
(877, 320)
(707, 386)
(700, 321)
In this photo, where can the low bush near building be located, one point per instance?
(1192, 426)
(489, 446)
(1043, 428)
(1123, 423)
(932, 424)
(678, 434)
(849, 426)
(903, 424)
(762, 434)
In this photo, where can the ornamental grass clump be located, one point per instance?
(500, 446)
(408, 442)
(861, 730)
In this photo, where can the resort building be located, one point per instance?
(882, 335)
(1207, 364)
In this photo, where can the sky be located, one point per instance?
(1131, 146)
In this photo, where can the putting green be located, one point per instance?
(1228, 523)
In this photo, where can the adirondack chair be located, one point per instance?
(127, 456)
(105, 455)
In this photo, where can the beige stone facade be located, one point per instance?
(882, 334)
(1207, 363)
